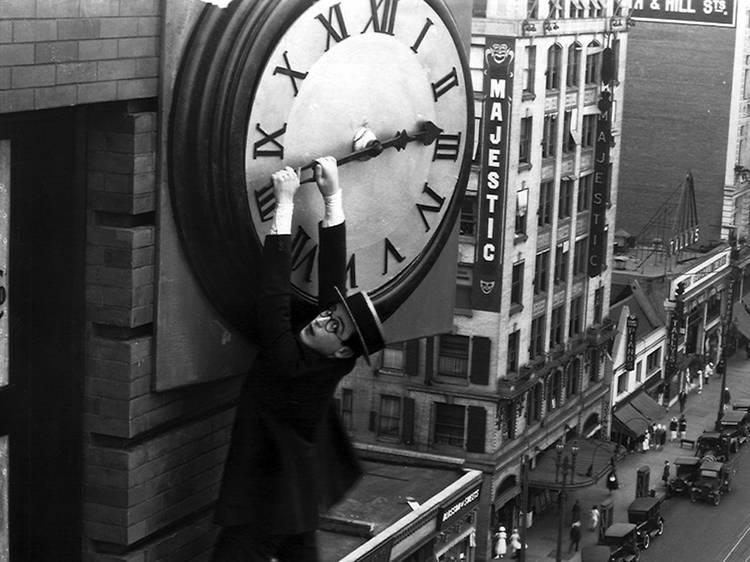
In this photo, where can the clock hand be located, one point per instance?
(427, 134)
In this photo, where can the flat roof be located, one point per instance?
(377, 501)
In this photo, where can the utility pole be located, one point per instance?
(524, 504)
(721, 366)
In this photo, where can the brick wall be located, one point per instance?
(55, 53)
(153, 461)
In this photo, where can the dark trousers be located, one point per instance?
(242, 544)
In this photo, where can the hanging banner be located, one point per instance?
(497, 86)
(632, 327)
(693, 12)
(598, 218)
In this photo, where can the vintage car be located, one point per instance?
(717, 444)
(596, 553)
(685, 473)
(645, 513)
(736, 424)
(622, 540)
(713, 481)
(741, 405)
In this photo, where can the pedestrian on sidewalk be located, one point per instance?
(501, 547)
(594, 518)
(646, 443)
(660, 394)
(682, 398)
(708, 371)
(682, 425)
(575, 512)
(612, 483)
(726, 398)
(575, 535)
(665, 473)
(515, 543)
(673, 429)
(700, 380)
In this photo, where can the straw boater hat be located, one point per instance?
(366, 321)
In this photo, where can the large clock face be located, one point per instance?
(300, 79)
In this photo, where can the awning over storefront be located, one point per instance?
(742, 318)
(631, 420)
(592, 461)
(647, 406)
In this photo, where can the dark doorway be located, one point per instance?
(41, 406)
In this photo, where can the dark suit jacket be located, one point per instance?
(289, 455)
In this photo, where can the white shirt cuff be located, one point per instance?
(334, 209)
(282, 219)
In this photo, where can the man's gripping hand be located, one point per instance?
(285, 186)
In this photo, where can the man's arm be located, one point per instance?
(331, 233)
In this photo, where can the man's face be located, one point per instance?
(327, 331)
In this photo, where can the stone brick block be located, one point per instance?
(13, 55)
(16, 100)
(121, 237)
(97, 49)
(56, 51)
(147, 67)
(18, 8)
(4, 78)
(119, 27)
(100, 8)
(57, 8)
(76, 72)
(117, 69)
(56, 96)
(6, 31)
(137, 88)
(149, 26)
(130, 351)
(122, 203)
(32, 31)
(97, 92)
(79, 28)
(137, 47)
(32, 76)
(140, 8)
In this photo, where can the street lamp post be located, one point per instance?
(563, 466)
(721, 366)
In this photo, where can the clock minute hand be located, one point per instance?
(427, 134)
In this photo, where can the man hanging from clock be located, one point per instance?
(289, 456)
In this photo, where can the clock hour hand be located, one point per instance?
(428, 132)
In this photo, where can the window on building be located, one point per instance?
(389, 420)
(514, 340)
(561, 263)
(585, 184)
(468, 225)
(588, 134)
(555, 9)
(580, 257)
(593, 63)
(598, 304)
(464, 283)
(575, 324)
(541, 273)
(594, 364)
(537, 336)
(393, 357)
(653, 362)
(595, 8)
(572, 377)
(554, 56)
(549, 136)
(546, 197)
(347, 408)
(529, 72)
(524, 147)
(479, 9)
(516, 285)
(574, 65)
(532, 9)
(453, 356)
(449, 424)
(556, 325)
(554, 386)
(565, 201)
(622, 383)
(534, 403)
(522, 211)
(568, 142)
(639, 371)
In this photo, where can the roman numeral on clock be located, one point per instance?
(446, 147)
(287, 70)
(266, 202)
(422, 208)
(383, 16)
(427, 24)
(444, 85)
(336, 31)
(390, 249)
(303, 254)
(351, 271)
(276, 148)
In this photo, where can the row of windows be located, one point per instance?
(556, 9)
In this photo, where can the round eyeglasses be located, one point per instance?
(332, 325)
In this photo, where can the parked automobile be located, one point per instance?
(685, 473)
(596, 553)
(645, 512)
(715, 443)
(714, 480)
(736, 424)
(622, 540)
(741, 405)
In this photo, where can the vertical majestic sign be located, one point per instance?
(632, 327)
(598, 219)
(498, 88)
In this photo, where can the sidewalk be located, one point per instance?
(700, 411)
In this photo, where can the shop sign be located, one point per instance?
(692, 12)
(702, 272)
(597, 218)
(632, 327)
(454, 510)
(498, 89)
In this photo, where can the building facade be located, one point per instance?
(526, 366)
